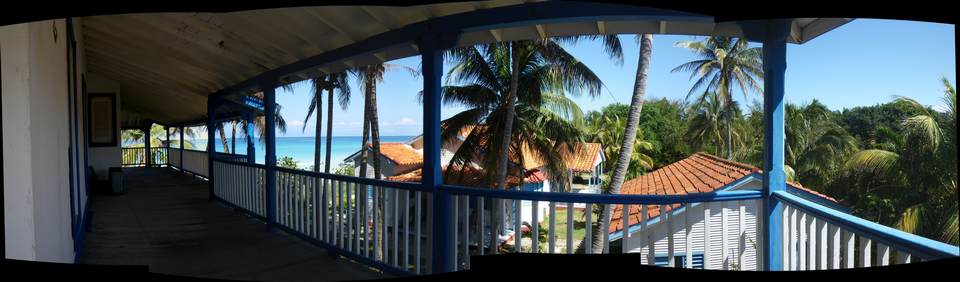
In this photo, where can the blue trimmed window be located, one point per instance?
(680, 260)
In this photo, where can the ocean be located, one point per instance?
(301, 148)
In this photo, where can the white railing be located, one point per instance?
(727, 218)
(380, 223)
(816, 237)
(195, 162)
(388, 225)
(173, 157)
(241, 185)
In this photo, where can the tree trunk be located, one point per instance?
(223, 138)
(504, 150)
(317, 154)
(728, 118)
(233, 137)
(626, 148)
(374, 121)
(326, 163)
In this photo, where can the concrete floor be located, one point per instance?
(165, 221)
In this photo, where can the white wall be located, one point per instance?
(35, 131)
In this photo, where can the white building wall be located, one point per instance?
(35, 131)
(738, 247)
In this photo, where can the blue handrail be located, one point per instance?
(616, 199)
(924, 247)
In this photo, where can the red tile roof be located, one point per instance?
(400, 153)
(698, 173)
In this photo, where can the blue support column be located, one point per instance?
(211, 141)
(270, 160)
(774, 136)
(443, 247)
(146, 146)
(166, 147)
(251, 149)
(181, 146)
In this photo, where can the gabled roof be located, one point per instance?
(698, 173)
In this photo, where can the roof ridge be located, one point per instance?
(729, 162)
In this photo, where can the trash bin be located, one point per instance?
(116, 180)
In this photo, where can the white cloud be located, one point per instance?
(295, 122)
(406, 121)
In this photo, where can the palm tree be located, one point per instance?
(722, 63)
(816, 145)
(329, 82)
(608, 129)
(922, 160)
(368, 77)
(514, 92)
(706, 124)
(626, 147)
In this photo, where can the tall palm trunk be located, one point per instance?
(317, 154)
(371, 91)
(728, 119)
(223, 138)
(233, 137)
(326, 163)
(626, 148)
(504, 150)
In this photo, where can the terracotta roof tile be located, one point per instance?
(698, 173)
(400, 153)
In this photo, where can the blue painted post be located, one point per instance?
(211, 147)
(146, 145)
(181, 147)
(774, 178)
(268, 86)
(444, 247)
(251, 149)
(166, 147)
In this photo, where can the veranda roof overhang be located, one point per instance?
(169, 63)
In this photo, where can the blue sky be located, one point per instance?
(862, 63)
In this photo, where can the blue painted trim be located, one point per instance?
(604, 198)
(444, 226)
(80, 239)
(775, 33)
(917, 245)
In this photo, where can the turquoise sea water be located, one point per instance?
(301, 148)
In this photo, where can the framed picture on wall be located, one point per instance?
(103, 119)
